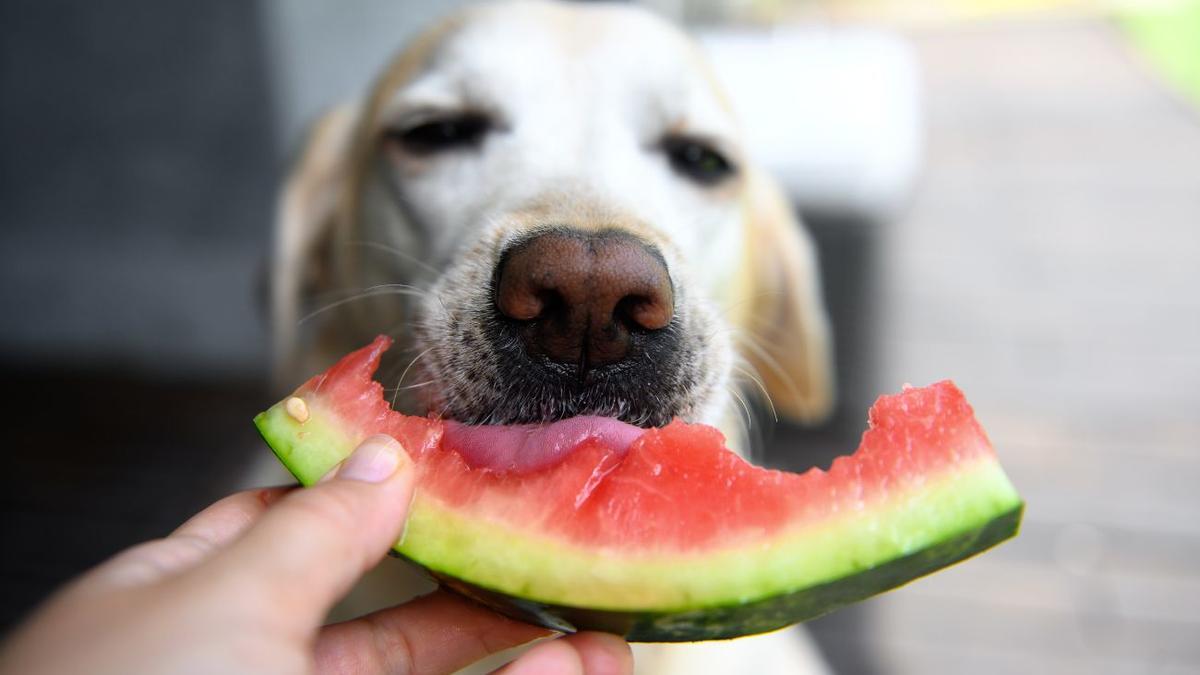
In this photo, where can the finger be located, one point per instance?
(555, 657)
(583, 653)
(194, 541)
(437, 633)
(602, 653)
(222, 522)
(309, 548)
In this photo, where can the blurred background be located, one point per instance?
(1005, 192)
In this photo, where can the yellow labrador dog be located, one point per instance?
(549, 206)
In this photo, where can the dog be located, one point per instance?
(550, 208)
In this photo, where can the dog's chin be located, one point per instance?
(541, 392)
(534, 400)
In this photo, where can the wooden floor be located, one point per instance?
(1050, 263)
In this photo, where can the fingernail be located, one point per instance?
(373, 461)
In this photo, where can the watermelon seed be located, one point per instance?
(297, 409)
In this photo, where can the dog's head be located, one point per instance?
(551, 205)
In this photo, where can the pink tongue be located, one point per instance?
(529, 447)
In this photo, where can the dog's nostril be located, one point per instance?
(520, 305)
(648, 313)
(583, 294)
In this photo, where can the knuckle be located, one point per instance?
(330, 513)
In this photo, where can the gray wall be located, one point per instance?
(141, 145)
(137, 165)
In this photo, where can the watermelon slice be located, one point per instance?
(664, 534)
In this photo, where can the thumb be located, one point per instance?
(309, 549)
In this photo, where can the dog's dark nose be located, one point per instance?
(582, 297)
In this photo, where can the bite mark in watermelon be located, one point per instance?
(664, 534)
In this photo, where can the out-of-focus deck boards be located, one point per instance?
(1051, 265)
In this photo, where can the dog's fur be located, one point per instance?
(580, 104)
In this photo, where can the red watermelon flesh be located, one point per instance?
(653, 525)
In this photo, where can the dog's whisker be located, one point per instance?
(741, 429)
(405, 255)
(442, 304)
(418, 385)
(750, 375)
(729, 309)
(400, 346)
(745, 407)
(382, 289)
(409, 289)
(403, 375)
(769, 361)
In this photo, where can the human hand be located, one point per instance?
(243, 587)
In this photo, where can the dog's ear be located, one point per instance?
(782, 315)
(305, 221)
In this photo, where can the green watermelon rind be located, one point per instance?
(542, 568)
(658, 596)
(307, 449)
(721, 622)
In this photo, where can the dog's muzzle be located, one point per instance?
(581, 323)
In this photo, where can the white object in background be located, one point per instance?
(834, 113)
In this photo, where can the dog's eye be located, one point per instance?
(697, 160)
(446, 133)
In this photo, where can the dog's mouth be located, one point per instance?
(529, 447)
(507, 385)
(493, 439)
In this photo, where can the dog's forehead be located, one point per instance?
(541, 53)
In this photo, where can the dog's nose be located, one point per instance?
(582, 297)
